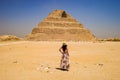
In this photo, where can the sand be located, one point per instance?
(40, 60)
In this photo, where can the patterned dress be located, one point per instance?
(65, 64)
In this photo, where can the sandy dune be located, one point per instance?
(28, 60)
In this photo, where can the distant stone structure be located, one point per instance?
(9, 38)
(60, 26)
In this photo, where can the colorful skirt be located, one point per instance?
(65, 63)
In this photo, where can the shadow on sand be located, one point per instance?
(62, 69)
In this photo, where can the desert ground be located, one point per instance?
(40, 60)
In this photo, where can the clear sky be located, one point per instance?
(101, 17)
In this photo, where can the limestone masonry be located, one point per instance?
(60, 26)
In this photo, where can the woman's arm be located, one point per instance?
(61, 50)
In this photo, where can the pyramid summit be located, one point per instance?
(59, 14)
(59, 25)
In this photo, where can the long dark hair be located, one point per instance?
(64, 47)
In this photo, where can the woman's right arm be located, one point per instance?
(60, 50)
(67, 52)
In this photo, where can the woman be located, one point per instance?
(64, 65)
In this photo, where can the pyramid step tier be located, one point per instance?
(60, 24)
(56, 30)
(61, 19)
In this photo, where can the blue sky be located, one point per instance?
(101, 17)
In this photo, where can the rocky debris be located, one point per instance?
(44, 68)
(15, 61)
(101, 65)
(60, 26)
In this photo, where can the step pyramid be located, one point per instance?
(60, 26)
